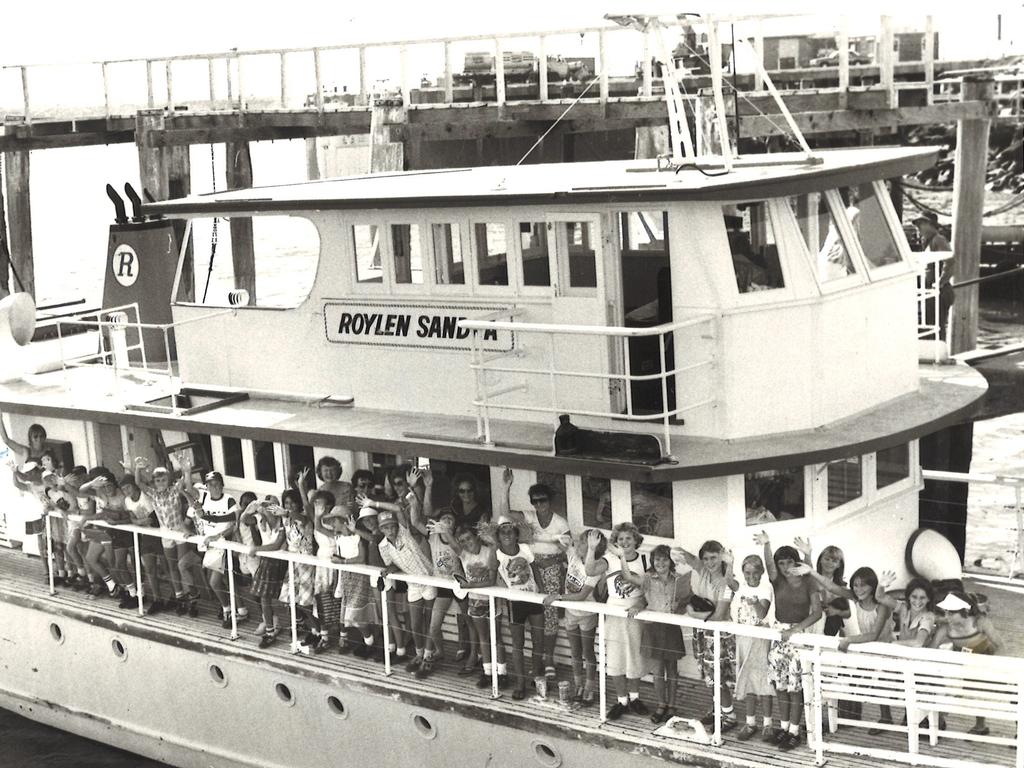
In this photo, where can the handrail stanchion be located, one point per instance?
(664, 396)
(138, 572)
(716, 703)
(291, 607)
(230, 565)
(492, 617)
(602, 663)
(1019, 509)
(551, 372)
(1018, 760)
(385, 621)
(910, 693)
(49, 551)
(817, 706)
(627, 376)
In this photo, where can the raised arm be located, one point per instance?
(592, 565)
(826, 583)
(503, 506)
(803, 546)
(684, 556)
(764, 540)
(428, 492)
(886, 580)
(10, 442)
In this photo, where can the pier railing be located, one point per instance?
(352, 74)
(925, 682)
(488, 366)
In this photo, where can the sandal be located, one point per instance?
(461, 654)
(550, 673)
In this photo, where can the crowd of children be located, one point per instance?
(395, 528)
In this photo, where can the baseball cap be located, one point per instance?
(952, 602)
(504, 520)
(927, 216)
(214, 476)
(160, 471)
(384, 518)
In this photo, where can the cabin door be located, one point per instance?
(577, 241)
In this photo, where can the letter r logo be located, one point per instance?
(124, 263)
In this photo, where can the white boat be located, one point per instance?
(739, 352)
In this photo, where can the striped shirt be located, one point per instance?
(168, 508)
(405, 554)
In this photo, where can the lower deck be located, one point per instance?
(23, 584)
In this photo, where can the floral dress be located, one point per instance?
(299, 540)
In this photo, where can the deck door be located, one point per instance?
(578, 243)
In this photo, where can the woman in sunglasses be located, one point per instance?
(469, 509)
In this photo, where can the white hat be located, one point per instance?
(367, 512)
(952, 602)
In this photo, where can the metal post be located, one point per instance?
(385, 619)
(49, 551)
(106, 90)
(664, 396)
(211, 77)
(170, 83)
(449, 85)
(241, 88)
(819, 738)
(628, 378)
(716, 703)
(912, 713)
(403, 74)
(602, 67)
(646, 70)
(1020, 527)
(291, 606)
(493, 618)
(318, 97)
(231, 594)
(284, 81)
(551, 373)
(24, 95)
(499, 71)
(364, 87)
(542, 70)
(1018, 758)
(138, 572)
(602, 661)
(149, 83)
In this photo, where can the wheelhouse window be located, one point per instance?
(300, 457)
(366, 245)
(892, 465)
(491, 253)
(597, 502)
(449, 267)
(265, 460)
(871, 225)
(582, 258)
(774, 495)
(845, 481)
(824, 238)
(755, 252)
(233, 464)
(533, 244)
(652, 509)
(405, 247)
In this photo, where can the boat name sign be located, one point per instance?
(409, 325)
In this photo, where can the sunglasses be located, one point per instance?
(465, 490)
(539, 500)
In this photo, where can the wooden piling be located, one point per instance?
(969, 163)
(243, 259)
(5, 254)
(19, 205)
(387, 151)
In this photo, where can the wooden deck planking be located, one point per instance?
(24, 575)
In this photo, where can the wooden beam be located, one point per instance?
(836, 121)
(179, 184)
(243, 258)
(19, 205)
(886, 59)
(152, 171)
(5, 252)
(386, 154)
(970, 162)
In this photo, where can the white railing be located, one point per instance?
(484, 363)
(923, 681)
(122, 335)
(224, 80)
(930, 272)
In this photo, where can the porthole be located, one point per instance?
(284, 693)
(546, 755)
(336, 707)
(217, 676)
(119, 649)
(424, 727)
(57, 633)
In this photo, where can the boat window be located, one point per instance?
(556, 483)
(892, 465)
(845, 481)
(582, 258)
(232, 448)
(823, 237)
(284, 253)
(870, 224)
(597, 502)
(405, 245)
(449, 268)
(773, 495)
(533, 242)
(266, 461)
(366, 243)
(643, 243)
(755, 253)
(652, 509)
(299, 457)
(491, 253)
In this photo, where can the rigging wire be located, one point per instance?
(559, 119)
(213, 232)
(1014, 202)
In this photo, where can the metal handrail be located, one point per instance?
(484, 399)
(867, 658)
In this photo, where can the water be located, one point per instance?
(27, 744)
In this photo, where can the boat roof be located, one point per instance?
(618, 181)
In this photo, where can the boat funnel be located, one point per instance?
(932, 556)
(17, 325)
